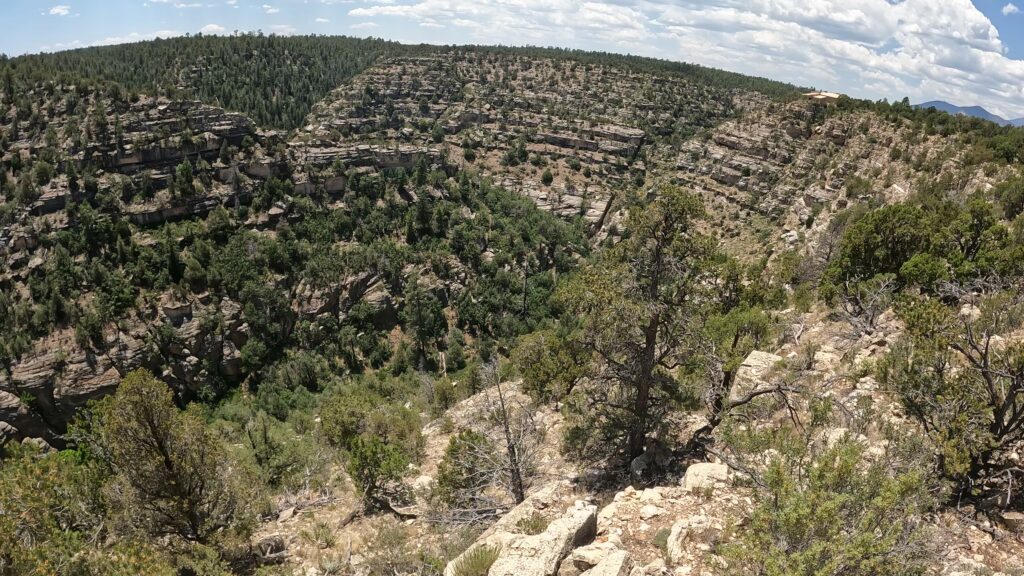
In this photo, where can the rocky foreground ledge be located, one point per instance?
(663, 530)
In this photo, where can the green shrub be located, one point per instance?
(376, 468)
(925, 270)
(1010, 195)
(278, 453)
(660, 540)
(533, 524)
(459, 480)
(320, 534)
(476, 562)
(881, 242)
(960, 383)
(171, 474)
(831, 508)
(353, 412)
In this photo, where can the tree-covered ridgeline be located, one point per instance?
(273, 79)
(276, 79)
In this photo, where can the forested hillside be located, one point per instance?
(275, 80)
(272, 79)
(321, 305)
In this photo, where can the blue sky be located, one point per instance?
(957, 50)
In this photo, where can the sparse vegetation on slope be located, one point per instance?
(472, 286)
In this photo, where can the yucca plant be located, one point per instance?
(320, 535)
(476, 562)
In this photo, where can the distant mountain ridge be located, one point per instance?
(975, 111)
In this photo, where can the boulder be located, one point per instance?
(703, 475)
(286, 514)
(691, 537)
(649, 511)
(750, 373)
(618, 563)
(586, 557)
(38, 444)
(505, 530)
(541, 554)
(1013, 521)
(8, 433)
(177, 313)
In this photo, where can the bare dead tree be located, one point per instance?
(826, 246)
(491, 466)
(863, 301)
(519, 435)
(796, 330)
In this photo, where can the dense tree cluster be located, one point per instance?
(926, 241)
(273, 79)
(983, 141)
(150, 477)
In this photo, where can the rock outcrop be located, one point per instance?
(537, 554)
(705, 476)
(542, 554)
(618, 563)
(749, 376)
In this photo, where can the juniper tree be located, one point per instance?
(170, 475)
(962, 379)
(635, 303)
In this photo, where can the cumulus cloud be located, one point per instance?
(270, 9)
(60, 10)
(135, 37)
(1010, 8)
(212, 29)
(61, 46)
(868, 48)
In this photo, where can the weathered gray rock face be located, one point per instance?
(586, 557)
(541, 554)
(187, 208)
(44, 390)
(694, 533)
(209, 126)
(618, 563)
(749, 375)
(41, 393)
(705, 475)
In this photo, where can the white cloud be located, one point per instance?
(924, 49)
(270, 9)
(61, 46)
(60, 10)
(1010, 8)
(322, 20)
(283, 29)
(135, 37)
(363, 26)
(212, 29)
